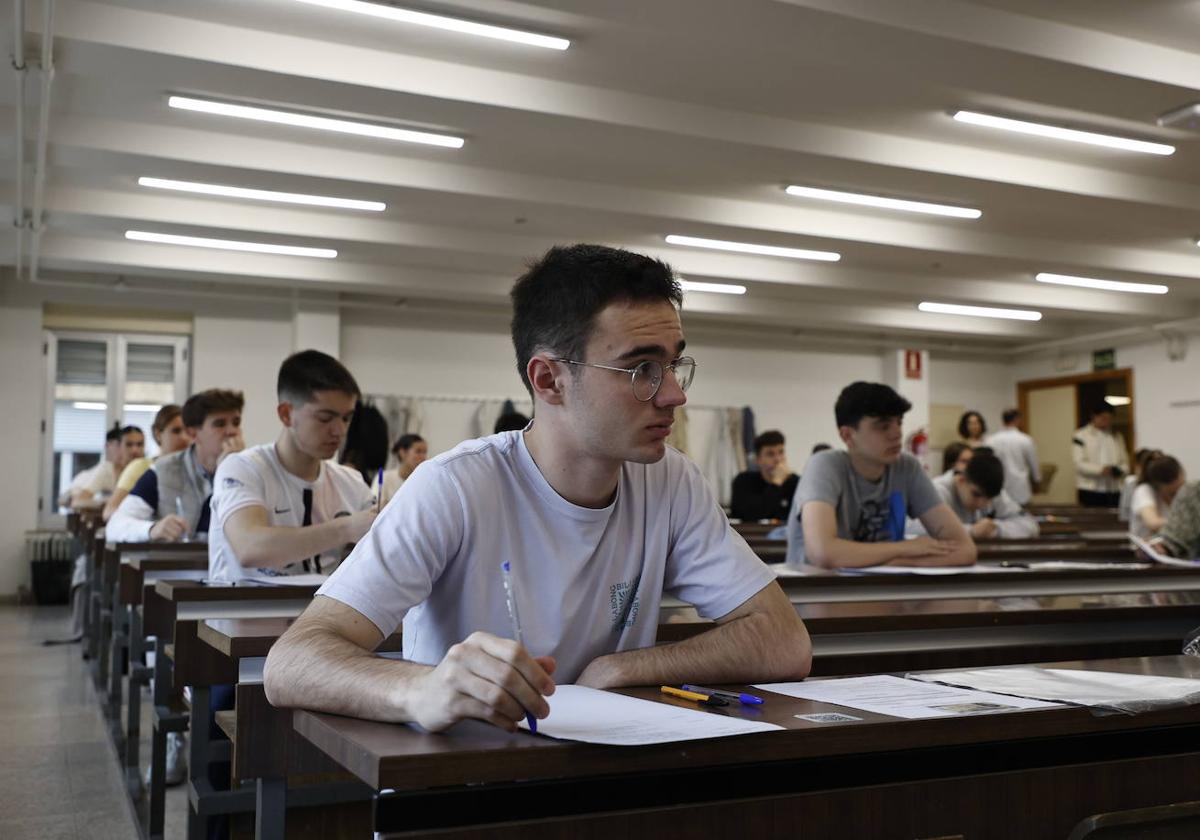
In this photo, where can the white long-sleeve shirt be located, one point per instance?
(1018, 453)
(1093, 452)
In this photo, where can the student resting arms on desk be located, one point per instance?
(284, 507)
(170, 500)
(850, 507)
(598, 517)
(171, 436)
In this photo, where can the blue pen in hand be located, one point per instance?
(510, 598)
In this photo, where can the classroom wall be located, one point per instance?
(1157, 383)
(986, 387)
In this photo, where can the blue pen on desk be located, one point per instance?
(510, 598)
(744, 699)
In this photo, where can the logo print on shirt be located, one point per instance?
(623, 603)
(285, 510)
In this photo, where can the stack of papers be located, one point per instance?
(1100, 689)
(925, 570)
(1158, 557)
(898, 697)
(603, 717)
(311, 579)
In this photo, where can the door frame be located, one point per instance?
(1126, 374)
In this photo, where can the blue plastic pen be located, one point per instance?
(379, 498)
(744, 699)
(510, 598)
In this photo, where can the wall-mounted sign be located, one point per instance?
(912, 364)
(1104, 359)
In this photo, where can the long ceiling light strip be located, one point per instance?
(1106, 285)
(301, 120)
(980, 311)
(230, 244)
(466, 27)
(1058, 133)
(260, 195)
(884, 202)
(716, 288)
(752, 248)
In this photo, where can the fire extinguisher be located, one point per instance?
(918, 445)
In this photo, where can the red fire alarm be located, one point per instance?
(912, 364)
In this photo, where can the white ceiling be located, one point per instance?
(664, 116)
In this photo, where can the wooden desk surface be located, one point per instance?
(403, 759)
(133, 573)
(180, 591)
(239, 638)
(160, 547)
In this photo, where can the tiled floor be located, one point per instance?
(59, 778)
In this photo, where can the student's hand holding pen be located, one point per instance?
(484, 677)
(170, 528)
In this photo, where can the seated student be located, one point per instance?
(1130, 483)
(955, 457)
(284, 507)
(598, 517)
(1162, 478)
(170, 500)
(410, 451)
(850, 507)
(171, 436)
(765, 493)
(1180, 536)
(366, 448)
(122, 444)
(977, 496)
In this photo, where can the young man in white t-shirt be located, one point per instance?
(284, 507)
(597, 516)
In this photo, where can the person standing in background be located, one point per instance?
(1101, 460)
(1017, 451)
(971, 428)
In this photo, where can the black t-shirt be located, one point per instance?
(755, 498)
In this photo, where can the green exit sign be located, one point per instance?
(1104, 359)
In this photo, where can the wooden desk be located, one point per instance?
(1026, 774)
(775, 551)
(268, 751)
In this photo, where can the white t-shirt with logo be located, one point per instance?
(588, 581)
(255, 476)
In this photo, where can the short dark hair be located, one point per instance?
(951, 454)
(510, 421)
(114, 434)
(405, 443)
(962, 423)
(985, 471)
(1162, 470)
(868, 399)
(1101, 408)
(128, 430)
(820, 447)
(302, 375)
(768, 438)
(556, 301)
(198, 406)
(1010, 415)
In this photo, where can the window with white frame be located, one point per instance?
(96, 379)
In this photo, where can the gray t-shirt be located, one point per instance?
(588, 581)
(867, 511)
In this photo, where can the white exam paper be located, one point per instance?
(585, 714)
(898, 697)
(1103, 689)
(978, 569)
(1158, 557)
(310, 579)
(1074, 565)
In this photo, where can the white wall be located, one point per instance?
(986, 387)
(1157, 382)
(22, 393)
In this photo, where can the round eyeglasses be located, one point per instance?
(647, 376)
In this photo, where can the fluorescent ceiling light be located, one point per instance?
(1058, 133)
(231, 244)
(751, 248)
(261, 195)
(467, 27)
(271, 115)
(1118, 400)
(141, 407)
(89, 406)
(886, 203)
(1107, 285)
(718, 288)
(980, 311)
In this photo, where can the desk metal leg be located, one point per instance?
(158, 742)
(120, 644)
(271, 809)
(198, 759)
(138, 676)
